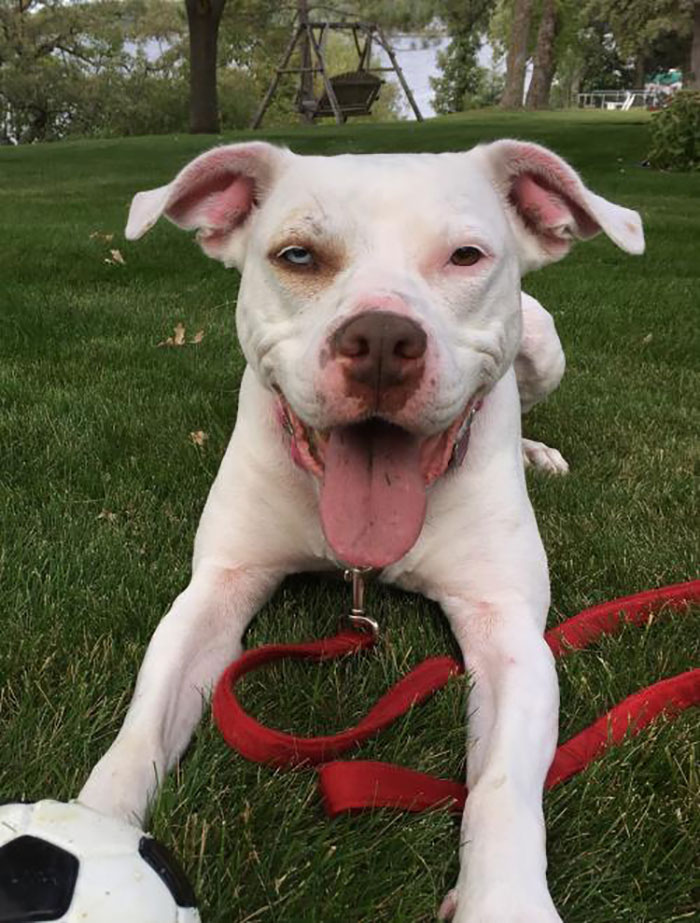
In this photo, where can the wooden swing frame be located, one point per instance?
(357, 97)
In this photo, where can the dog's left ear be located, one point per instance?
(549, 207)
(216, 195)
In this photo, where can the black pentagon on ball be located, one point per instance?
(166, 866)
(37, 880)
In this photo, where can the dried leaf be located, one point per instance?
(177, 339)
(648, 338)
(246, 813)
(198, 337)
(199, 437)
(117, 257)
(100, 235)
(108, 515)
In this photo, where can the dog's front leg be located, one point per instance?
(539, 367)
(513, 710)
(190, 649)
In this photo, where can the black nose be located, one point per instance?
(381, 349)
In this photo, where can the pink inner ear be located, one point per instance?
(214, 201)
(548, 210)
(539, 206)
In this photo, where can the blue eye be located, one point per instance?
(297, 256)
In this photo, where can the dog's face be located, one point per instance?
(380, 298)
(380, 287)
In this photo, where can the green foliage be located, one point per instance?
(95, 68)
(252, 38)
(638, 24)
(602, 66)
(463, 83)
(587, 59)
(500, 25)
(459, 75)
(393, 14)
(675, 133)
(121, 67)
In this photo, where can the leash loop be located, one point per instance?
(361, 784)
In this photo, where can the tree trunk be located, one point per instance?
(543, 70)
(305, 96)
(203, 17)
(694, 83)
(517, 55)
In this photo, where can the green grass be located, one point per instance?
(94, 417)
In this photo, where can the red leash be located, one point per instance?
(357, 784)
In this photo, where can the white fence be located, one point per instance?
(620, 99)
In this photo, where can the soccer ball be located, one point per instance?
(68, 863)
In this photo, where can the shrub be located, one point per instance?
(675, 133)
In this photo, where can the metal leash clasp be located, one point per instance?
(357, 616)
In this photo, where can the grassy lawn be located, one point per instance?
(101, 487)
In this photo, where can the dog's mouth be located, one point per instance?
(374, 476)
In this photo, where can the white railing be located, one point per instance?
(623, 100)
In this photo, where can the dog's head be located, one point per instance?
(380, 298)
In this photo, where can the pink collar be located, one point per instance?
(459, 450)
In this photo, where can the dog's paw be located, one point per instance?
(543, 457)
(500, 907)
(121, 785)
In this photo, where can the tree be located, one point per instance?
(694, 79)
(461, 80)
(82, 66)
(459, 77)
(601, 67)
(248, 25)
(653, 33)
(203, 18)
(516, 59)
(400, 15)
(545, 61)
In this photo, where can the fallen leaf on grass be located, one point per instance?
(100, 235)
(116, 258)
(177, 339)
(199, 437)
(246, 813)
(108, 515)
(648, 338)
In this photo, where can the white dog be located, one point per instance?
(380, 313)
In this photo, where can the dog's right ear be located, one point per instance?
(215, 195)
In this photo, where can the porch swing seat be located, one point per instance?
(356, 92)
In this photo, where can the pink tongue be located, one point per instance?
(373, 494)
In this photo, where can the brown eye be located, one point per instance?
(466, 256)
